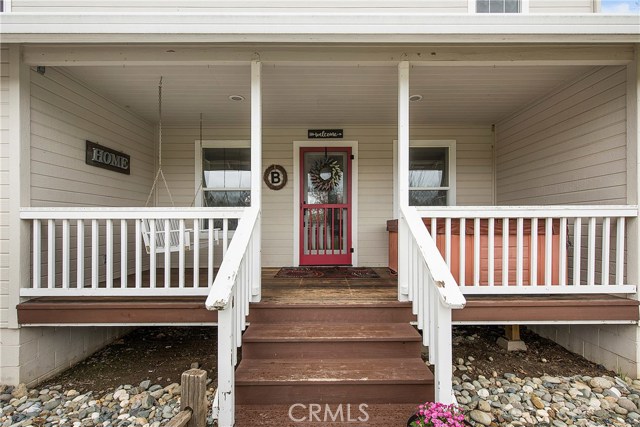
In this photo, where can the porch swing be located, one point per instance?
(159, 229)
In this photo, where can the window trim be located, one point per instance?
(524, 8)
(432, 143)
(209, 143)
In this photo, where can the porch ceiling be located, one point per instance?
(325, 95)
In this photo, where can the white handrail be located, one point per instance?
(554, 211)
(433, 292)
(232, 290)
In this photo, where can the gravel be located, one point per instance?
(147, 405)
(546, 401)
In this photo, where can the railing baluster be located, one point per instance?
(505, 251)
(80, 254)
(152, 253)
(434, 227)
(65, 253)
(95, 253)
(491, 251)
(519, 251)
(463, 255)
(533, 273)
(591, 252)
(420, 299)
(181, 242)
(167, 254)
(563, 252)
(109, 252)
(210, 252)
(124, 253)
(196, 253)
(476, 252)
(577, 249)
(620, 236)
(447, 245)
(548, 252)
(37, 254)
(138, 254)
(51, 254)
(606, 240)
(225, 236)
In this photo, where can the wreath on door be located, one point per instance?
(325, 174)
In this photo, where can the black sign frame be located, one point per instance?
(107, 158)
(325, 133)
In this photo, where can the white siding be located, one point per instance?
(570, 147)
(435, 6)
(563, 6)
(375, 192)
(4, 185)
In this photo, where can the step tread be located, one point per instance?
(333, 371)
(305, 332)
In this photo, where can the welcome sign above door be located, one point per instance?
(107, 158)
(325, 133)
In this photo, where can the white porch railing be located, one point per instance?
(125, 251)
(549, 249)
(237, 284)
(433, 292)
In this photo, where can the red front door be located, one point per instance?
(325, 208)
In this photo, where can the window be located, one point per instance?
(226, 177)
(429, 176)
(498, 6)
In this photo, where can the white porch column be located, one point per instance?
(19, 178)
(633, 182)
(256, 174)
(403, 176)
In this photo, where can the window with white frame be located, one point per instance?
(224, 175)
(498, 6)
(431, 174)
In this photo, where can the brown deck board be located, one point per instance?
(285, 332)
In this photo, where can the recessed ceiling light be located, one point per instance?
(415, 98)
(236, 97)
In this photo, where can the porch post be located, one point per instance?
(403, 177)
(256, 175)
(19, 178)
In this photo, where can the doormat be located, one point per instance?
(327, 273)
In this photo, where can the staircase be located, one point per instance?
(332, 354)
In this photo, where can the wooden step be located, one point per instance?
(388, 312)
(330, 340)
(284, 381)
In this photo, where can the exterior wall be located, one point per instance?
(375, 192)
(428, 6)
(70, 6)
(564, 6)
(571, 148)
(64, 114)
(4, 185)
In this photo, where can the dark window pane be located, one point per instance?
(226, 167)
(512, 6)
(428, 167)
(482, 6)
(428, 198)
(227, 198)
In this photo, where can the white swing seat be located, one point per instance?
(174, 236)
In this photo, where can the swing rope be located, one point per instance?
(160, 173)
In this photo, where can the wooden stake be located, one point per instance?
(511, 332)
(194, 396)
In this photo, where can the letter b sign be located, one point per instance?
(275, 177)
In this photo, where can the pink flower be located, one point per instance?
(434, 414)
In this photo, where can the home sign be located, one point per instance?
(325, 133)
(106, 158)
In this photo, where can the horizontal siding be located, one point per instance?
(4, 185)
(435, 6)
(63, 115)
(563, 6)
(569, 148)
(375, 192)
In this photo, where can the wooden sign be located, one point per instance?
(103, 157)
(325, 133)
(275, 176)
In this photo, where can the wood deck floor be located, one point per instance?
(319, 291)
